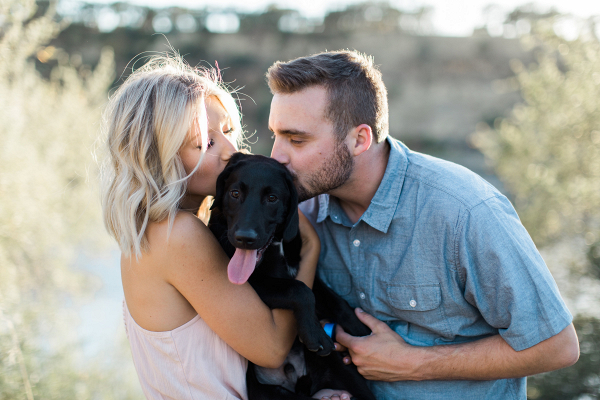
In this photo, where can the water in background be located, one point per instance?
(101, 326)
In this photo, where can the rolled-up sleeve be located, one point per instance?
(505, 277)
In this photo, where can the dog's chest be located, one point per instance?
(276, 264)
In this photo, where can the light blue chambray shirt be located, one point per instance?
(442, 257)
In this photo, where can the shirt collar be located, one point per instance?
(383, 206)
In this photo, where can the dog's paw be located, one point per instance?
(315, 339)
(357, 329)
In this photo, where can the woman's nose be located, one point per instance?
(228, 150)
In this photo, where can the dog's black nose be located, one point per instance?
(245, 238)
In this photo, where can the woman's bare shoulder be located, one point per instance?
(153, 300)
(187, 241)
(186, 228)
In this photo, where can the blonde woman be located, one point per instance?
(170, 132)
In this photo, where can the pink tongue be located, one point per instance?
(241, 266)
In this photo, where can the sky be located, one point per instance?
(449, 17)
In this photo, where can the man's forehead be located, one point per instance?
(296, 113)
(315, 97)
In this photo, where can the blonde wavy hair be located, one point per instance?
(145, 124)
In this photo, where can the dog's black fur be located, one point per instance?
(256, 207)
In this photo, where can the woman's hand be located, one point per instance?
(330, 394)
(309, 255)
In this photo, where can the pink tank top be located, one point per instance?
(189, 362)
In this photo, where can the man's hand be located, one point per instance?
(381, 356)
(385, 356)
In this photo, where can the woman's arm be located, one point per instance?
(196, 266)
(311, 247)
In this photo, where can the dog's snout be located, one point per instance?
(246, 238)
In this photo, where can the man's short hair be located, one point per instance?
(356, 91)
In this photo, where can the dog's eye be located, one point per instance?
(272, 198)
(235, 194)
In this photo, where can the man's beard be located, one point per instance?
(335, 173)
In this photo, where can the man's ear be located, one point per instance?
(290, 229)
(222, 178)
(361, 139)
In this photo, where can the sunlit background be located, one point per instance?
(508, 90)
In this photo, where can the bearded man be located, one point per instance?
(433, 257)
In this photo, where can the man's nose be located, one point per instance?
(279, 154)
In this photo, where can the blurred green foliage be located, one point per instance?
(48, 210)
(580, 381)
(547, 153)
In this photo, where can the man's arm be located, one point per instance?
(385, 356)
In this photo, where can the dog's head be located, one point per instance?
(257, 197)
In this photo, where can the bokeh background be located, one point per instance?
(511, 92)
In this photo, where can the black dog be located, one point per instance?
(255, 219)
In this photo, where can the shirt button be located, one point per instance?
(356, 243)
(362, 295)
(412, 303)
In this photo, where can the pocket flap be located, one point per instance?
(415, 297)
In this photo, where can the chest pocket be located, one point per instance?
(420, 305)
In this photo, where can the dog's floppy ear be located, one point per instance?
(218, 202)
(291, 223)
(222, 178)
